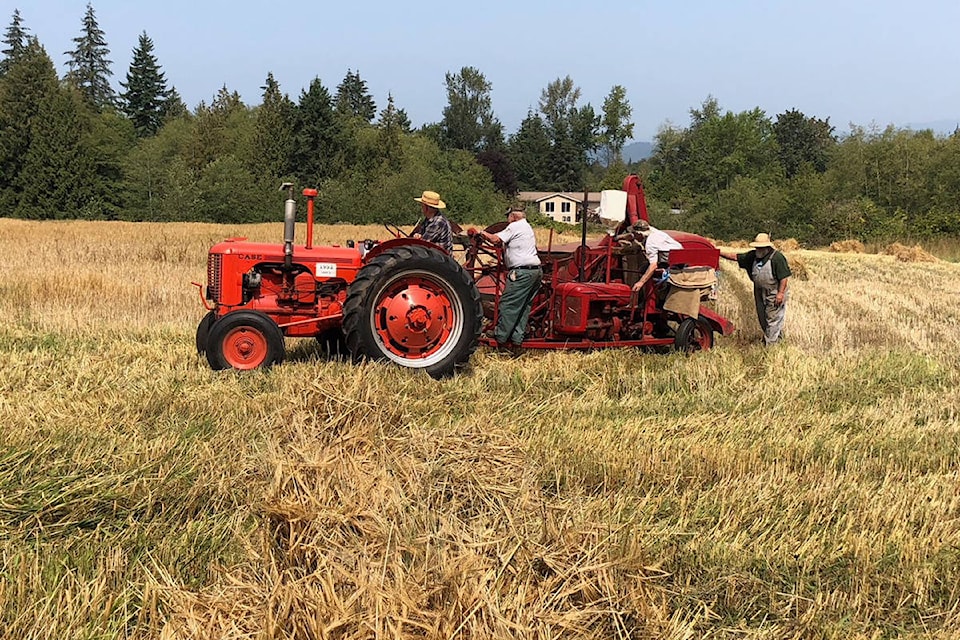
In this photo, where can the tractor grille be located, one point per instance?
(213, 277)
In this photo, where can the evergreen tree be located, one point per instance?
(390, 135)
(219, 130)
(59, 178)
(318, 136)
(144, 100)
(110, 140)
(273, 135)
(403, 121)
(30, 82)
(353, 98)
(528, 151)
(572, 131)
(89, 66)
(15, 39)
(173, 106)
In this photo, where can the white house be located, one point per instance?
(561, 206)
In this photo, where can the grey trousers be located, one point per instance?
(772, 317)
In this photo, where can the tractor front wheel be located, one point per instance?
(416, 307)
(203, 331)
(244, 340)
(694, 334)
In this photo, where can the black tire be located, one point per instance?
(694, 334)
(244, 340)
(203, 332)
(440, 306)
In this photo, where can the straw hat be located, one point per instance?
(432, 199)
(762, 240)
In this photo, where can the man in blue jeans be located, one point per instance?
(523, 276)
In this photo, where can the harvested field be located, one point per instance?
(807, 490)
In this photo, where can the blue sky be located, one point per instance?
(879, 62)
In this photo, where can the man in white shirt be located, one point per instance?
(657, 245)
(523, 276)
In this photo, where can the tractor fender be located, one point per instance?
(398, 242)
(720, 324)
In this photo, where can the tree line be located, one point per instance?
(73, 147)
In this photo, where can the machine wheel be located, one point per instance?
(694, 334)
(203, 331)
(244, 340)
(416, 307)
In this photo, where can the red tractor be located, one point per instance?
(408, 301)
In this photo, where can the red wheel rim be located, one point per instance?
(702, 337)
(414, 318)
(245, 348)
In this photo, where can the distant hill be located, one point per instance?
(636, 151)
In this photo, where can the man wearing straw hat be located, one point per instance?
(769, 271)
(434, 227)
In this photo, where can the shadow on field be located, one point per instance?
(328, 347)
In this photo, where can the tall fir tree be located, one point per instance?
(174, 107)
(273, 135)
(59, 177)
(15, 38)
(89, 67)
(528, 151)
(145, 95)
(30, 82)
(354, 99)
(390, 131)
(318, 136)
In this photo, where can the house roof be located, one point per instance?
(538, 196)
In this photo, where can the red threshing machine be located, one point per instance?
(586, 300)
(407, 301)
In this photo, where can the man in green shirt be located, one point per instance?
(769, 271)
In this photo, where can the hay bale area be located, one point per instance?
(847, 246)
(798, 267)
(790, 244)
(737, 244)
(427, 533)
(904, 253)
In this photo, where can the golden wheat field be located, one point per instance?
(809, 490)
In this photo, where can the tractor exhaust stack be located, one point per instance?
(289, 224)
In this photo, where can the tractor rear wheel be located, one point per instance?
(416, 307)
(244, 340)
(694, 334)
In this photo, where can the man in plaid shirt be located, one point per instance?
(434, 227)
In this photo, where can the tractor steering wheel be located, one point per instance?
(481, 254)
(395, 231)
